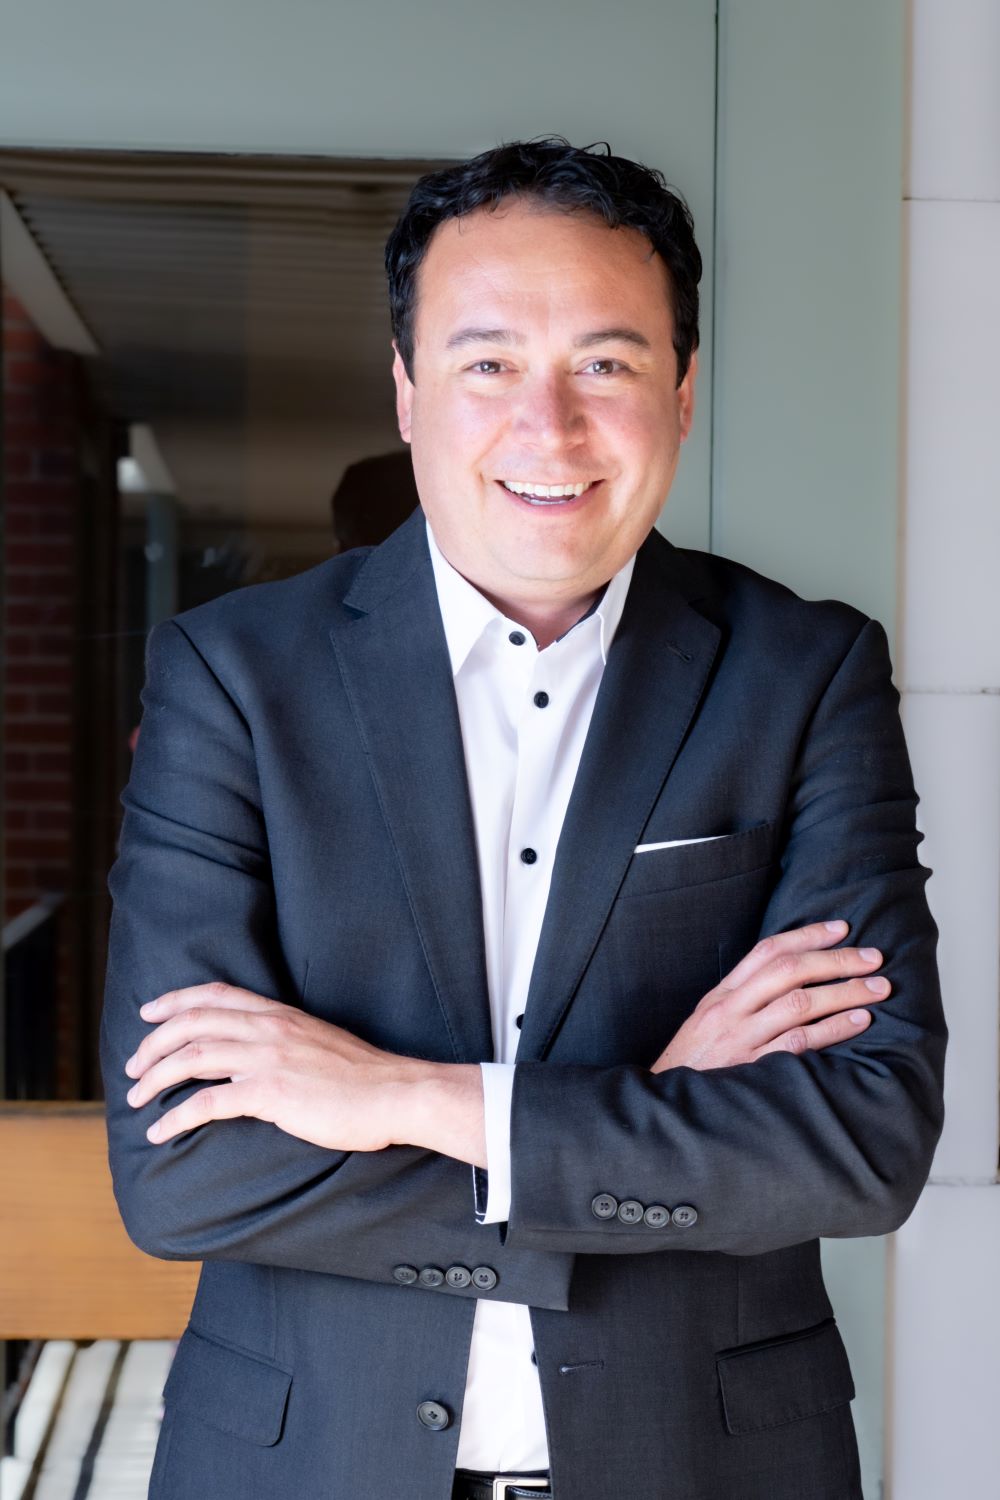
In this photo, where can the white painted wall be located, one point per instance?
(943, 1436)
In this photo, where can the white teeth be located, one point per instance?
(544, 491)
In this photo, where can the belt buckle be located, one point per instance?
(502, 1482)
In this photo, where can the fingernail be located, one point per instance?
(149, 1008)
(154, 1131)
(130, 1065)
(859, 1017)
(870, 955)
(877, 986)
(837, 926)
(130, 1096)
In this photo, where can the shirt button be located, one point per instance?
(684, 1216)
(528, 856)
(519, 1020)
(656, 1216)
(631, 1211)
(516, 638)
(458, 1276)
(485, 1278)
(541, 700)
(431, 1276)
(604, 1206)
(434, 1414)
(405, 1275)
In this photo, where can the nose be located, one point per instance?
(550, 416)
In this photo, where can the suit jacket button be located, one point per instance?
(604, 1206)
(656, 1216)
(684, 1216)
(405, 1275)
(458, 1276)
(431, 1276)
(434, 1414)
(630, 1212)
(485, 1278)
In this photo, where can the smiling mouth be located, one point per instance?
(547, 494)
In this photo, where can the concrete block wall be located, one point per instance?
(944, 1318)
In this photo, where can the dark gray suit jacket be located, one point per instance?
(297, 821)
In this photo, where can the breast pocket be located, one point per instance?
(716, 857)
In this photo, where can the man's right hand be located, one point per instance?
(775, 1001)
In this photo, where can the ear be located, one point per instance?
(404, 394)
(685, 396)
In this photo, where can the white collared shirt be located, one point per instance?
(524, 715)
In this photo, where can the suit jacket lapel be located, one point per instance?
(394, 662)
(656, 673)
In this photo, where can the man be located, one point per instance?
(529, 841)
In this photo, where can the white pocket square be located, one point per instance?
(676, 843)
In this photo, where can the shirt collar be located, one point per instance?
(466, 612)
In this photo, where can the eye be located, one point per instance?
(486, 367)
(607, 366)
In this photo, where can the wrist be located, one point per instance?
(439, 1106)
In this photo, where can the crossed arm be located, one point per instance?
(368, 1156)
(317, 1081)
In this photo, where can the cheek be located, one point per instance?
(455, 431)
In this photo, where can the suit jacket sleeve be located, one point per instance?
(836, 1142)
(193, 901)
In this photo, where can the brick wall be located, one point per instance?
(42, 488)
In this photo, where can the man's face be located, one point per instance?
(543, 357)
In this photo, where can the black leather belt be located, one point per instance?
(474, 1484)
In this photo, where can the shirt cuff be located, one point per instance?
(498, 1089)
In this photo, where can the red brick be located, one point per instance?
(23, 339)
(34, 492)
(47, 613)
(47, 552)
(19, 462)
(35, 672)
(51, 763)
(54, 817)
(21, 732)
(38, 846)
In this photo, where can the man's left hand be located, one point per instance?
(312, 1079)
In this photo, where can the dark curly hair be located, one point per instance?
(622, 192)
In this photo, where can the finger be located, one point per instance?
(222, 1024)
(790, 971)
(227, 1101)
(197, 1059)
(821, 1034)
(795, 940)
(215, 993)
(801, 1006)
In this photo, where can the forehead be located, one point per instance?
(530, 259)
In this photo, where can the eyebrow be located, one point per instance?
(484, 336)
(583, 341)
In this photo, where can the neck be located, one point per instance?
(547, 621)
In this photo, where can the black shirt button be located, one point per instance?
(517, 638)
(458, 1276)
(541, 700)
(431, 1276)
(434, 1414)
(656, 1216)
(534, 1357)
(485, 1278)
(684, 1216)
(528, 856)
(519, 1020)
(604, 1206)
(631, 1211)
(405, 1275)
